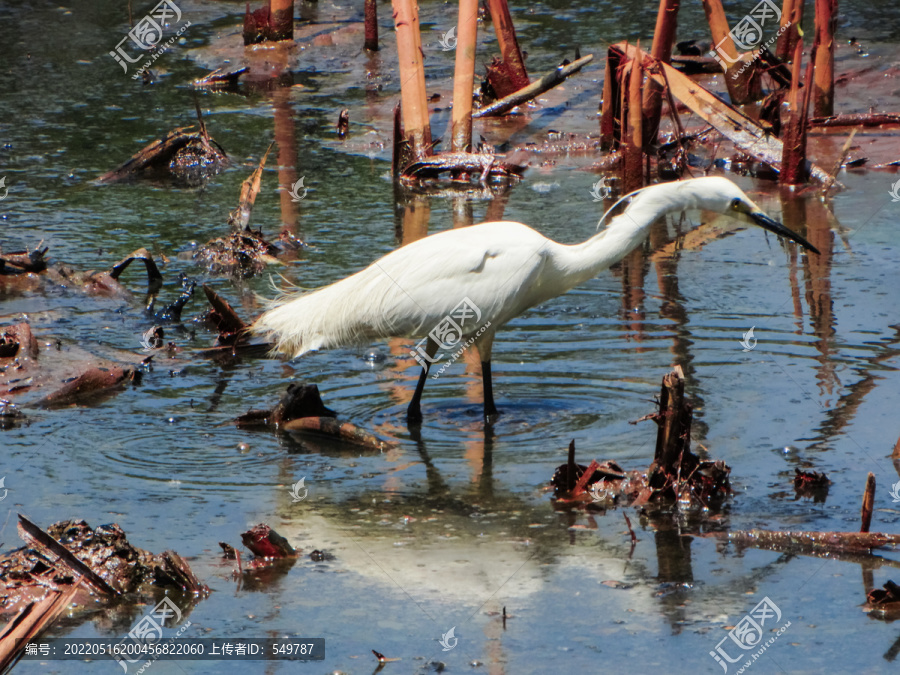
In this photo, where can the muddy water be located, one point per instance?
(453, 524)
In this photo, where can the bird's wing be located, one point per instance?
(407, 292)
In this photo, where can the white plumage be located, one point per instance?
(503, 268)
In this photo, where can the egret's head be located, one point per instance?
(721, 195)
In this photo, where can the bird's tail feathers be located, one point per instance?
(284, 290)
(352, 311)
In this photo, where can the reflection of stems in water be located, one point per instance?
(818, 219)
(309, 11)
(496, 207)
(397, 384)
(374, 101)
(216, 398)
(818, 284)
(414, 219)
(842, 413)
(793, 254)
(868, 576)
(891, 653)
(673, 560)
(634, 272)
(673, 309)
(286, 138)
(463, 215)
(631, 532)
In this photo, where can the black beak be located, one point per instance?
(767, 223)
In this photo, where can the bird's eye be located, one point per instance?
(736, 204)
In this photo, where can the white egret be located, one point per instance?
(459, 286)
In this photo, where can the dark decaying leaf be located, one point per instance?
(185, 157)
(265, 542)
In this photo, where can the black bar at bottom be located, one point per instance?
(131, 651)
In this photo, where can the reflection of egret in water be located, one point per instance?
(451, 554)
(461, 553)
(446, 564)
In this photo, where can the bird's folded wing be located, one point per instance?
(410, 290)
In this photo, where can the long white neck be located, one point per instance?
(579, 262)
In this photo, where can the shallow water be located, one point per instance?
(446, 529)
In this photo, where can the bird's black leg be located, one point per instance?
(414, 411)
(490, 410)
